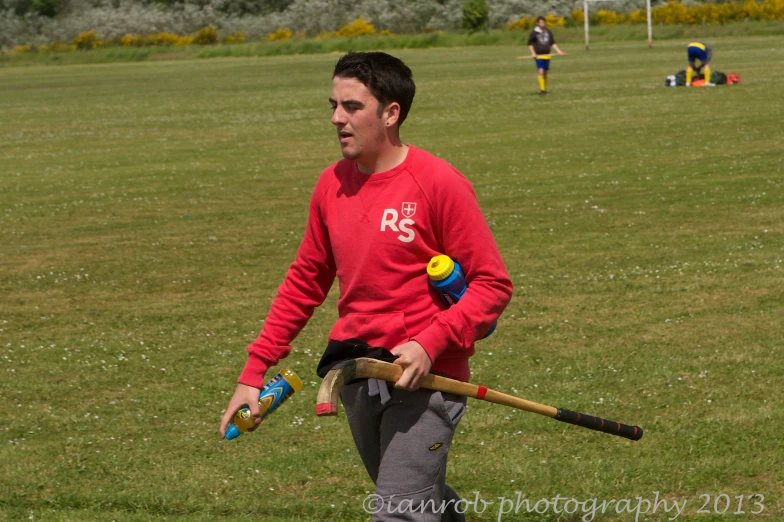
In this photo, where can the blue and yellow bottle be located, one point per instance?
(272, 395)
(448, 279)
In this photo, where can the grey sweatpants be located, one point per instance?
(404, 445)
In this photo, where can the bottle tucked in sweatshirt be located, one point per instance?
(447, 277)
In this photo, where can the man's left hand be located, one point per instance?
(416, 364)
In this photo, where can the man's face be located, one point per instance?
(355, 114)
(541, 24)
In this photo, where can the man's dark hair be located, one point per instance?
(540, 18)
(386, 77)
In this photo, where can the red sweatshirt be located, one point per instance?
(377, 233)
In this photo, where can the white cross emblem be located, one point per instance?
(409, 209)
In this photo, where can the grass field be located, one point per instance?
(149, 211)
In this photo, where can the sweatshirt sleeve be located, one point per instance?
(305, 287)
(467, 239)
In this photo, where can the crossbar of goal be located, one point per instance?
(587, 25)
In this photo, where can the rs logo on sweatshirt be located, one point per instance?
(390, 219)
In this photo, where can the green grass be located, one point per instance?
(148, 212)
(369, 43)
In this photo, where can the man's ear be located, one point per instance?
(391, 114)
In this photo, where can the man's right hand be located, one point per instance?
(244, 395)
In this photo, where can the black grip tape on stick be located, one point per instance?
(603, 425)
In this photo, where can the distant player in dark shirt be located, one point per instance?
(540, 41)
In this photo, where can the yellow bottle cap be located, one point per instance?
(292, 378)
(440, 267)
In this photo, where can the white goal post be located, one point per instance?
(587, 25)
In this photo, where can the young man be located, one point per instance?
(540, 41)
(376, 219)
(702, 52)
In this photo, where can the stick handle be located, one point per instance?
(599, 424)
(571, 417)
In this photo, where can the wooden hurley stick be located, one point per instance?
(364, 368)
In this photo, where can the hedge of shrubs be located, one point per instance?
(528, 22)
(669, 14)
(676, 13)
(672, 13)
(89, 40)
(359, 27)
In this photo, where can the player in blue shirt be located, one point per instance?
(702, 52)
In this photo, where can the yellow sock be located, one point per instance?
(689, 72)
(706, 72)
(542, 83)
